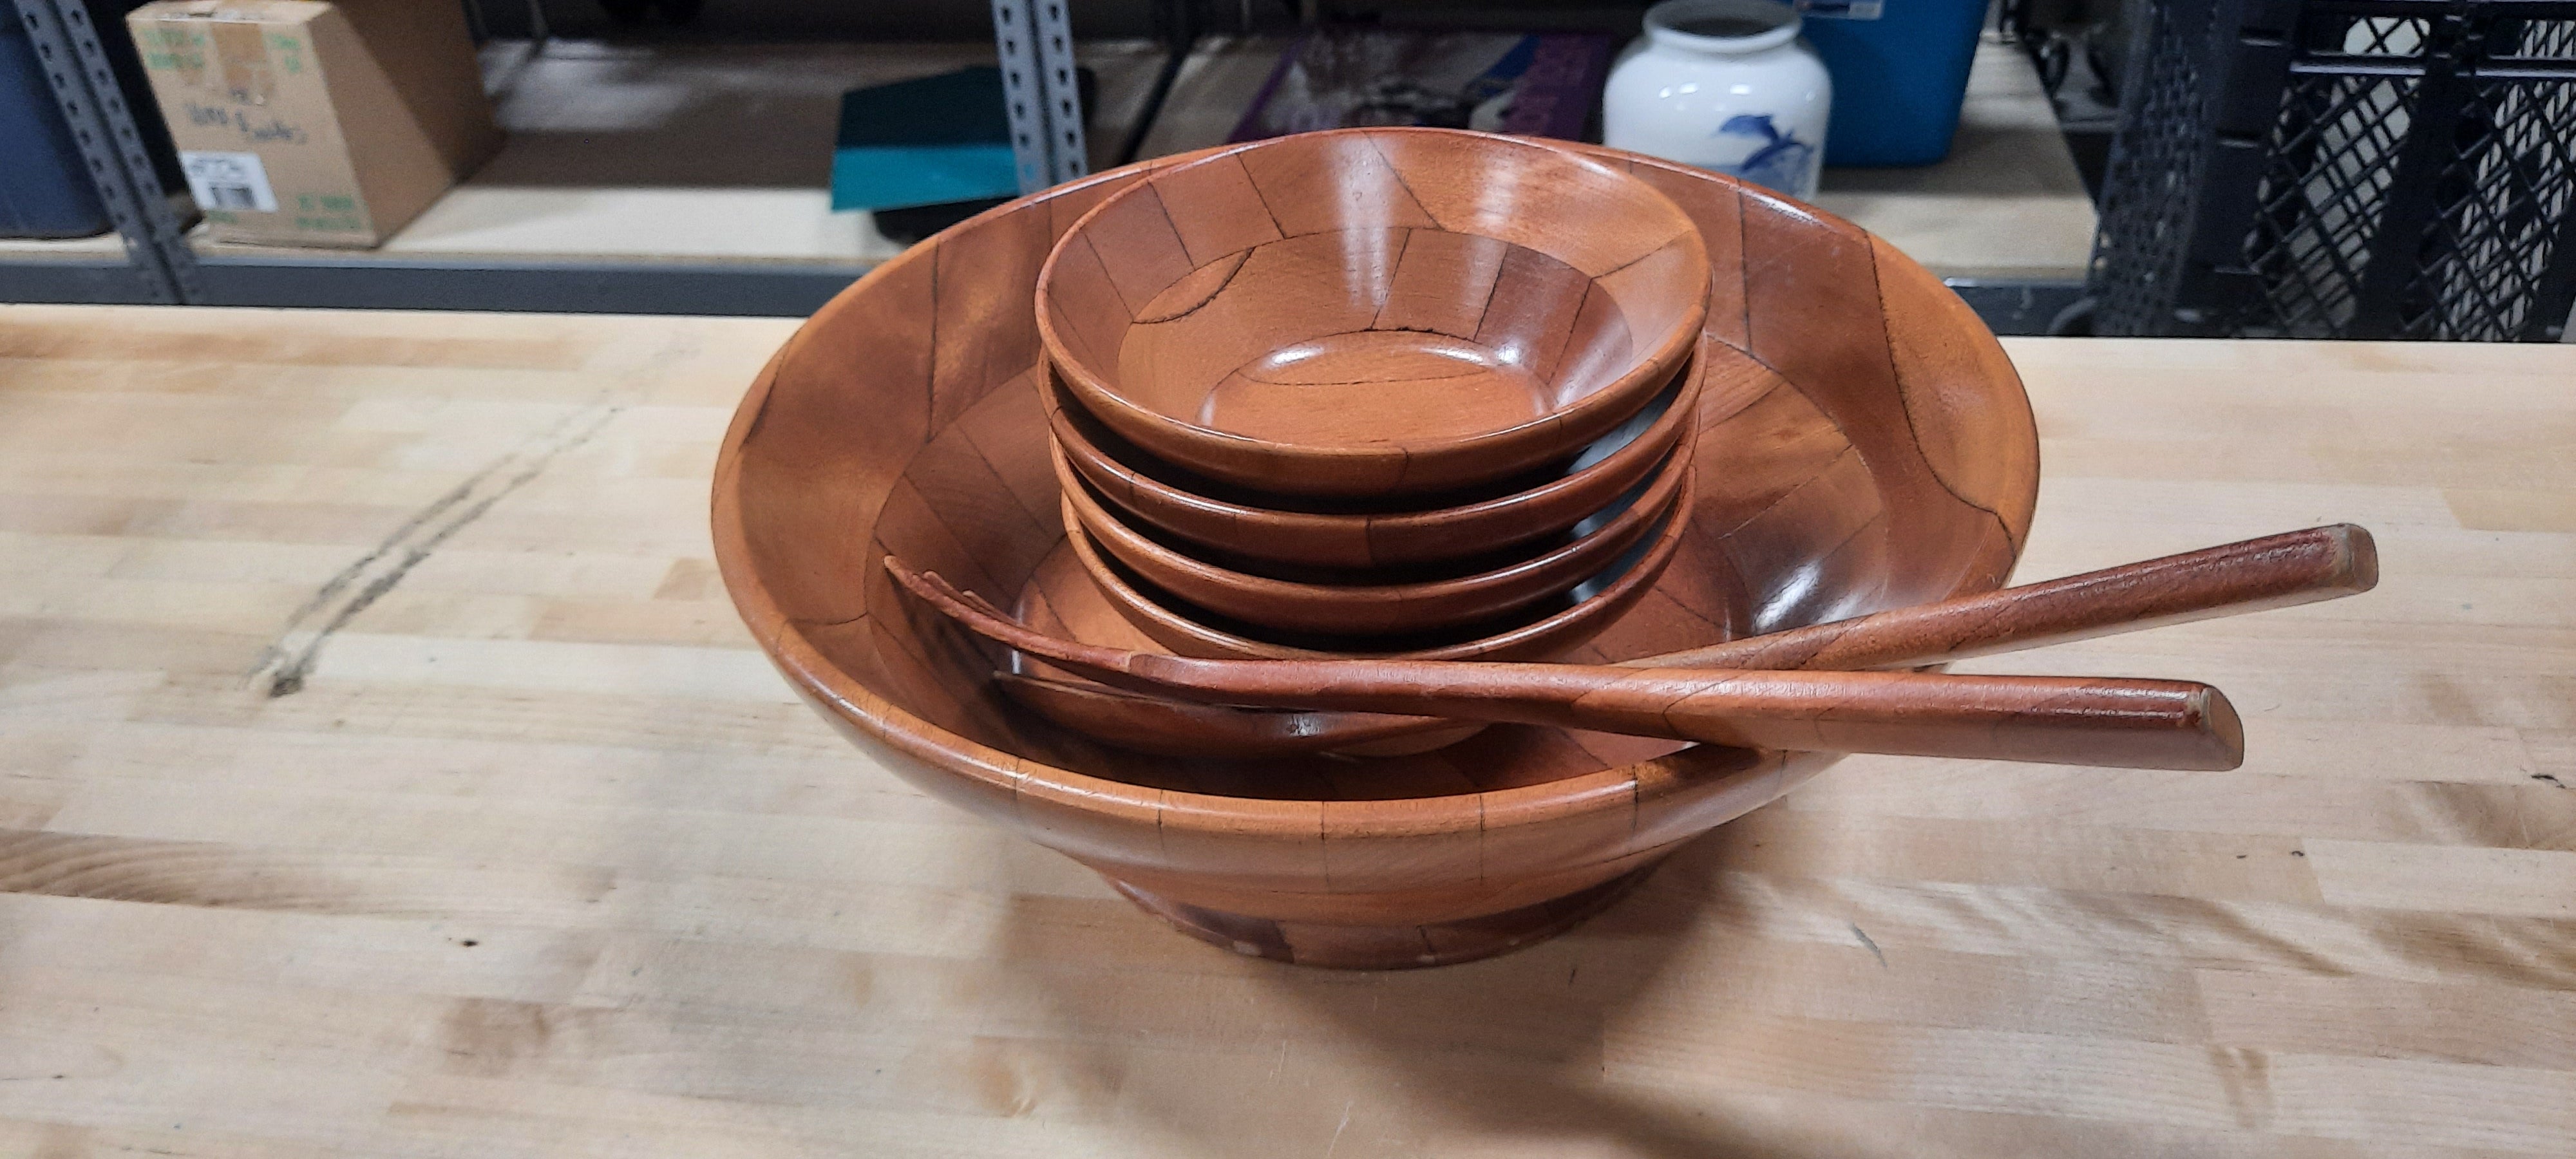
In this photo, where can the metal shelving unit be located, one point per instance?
(1032, 38)
(79, 279)
(784, 289)
(158, 265)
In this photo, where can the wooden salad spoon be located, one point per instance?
(2158, 724)
(2252, 575)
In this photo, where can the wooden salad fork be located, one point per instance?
(2170, 724)
(2273, 571)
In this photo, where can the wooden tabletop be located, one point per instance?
(383, 772)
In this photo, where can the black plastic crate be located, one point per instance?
(2344, 169)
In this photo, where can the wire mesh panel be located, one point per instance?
(2355, 169)
(2499, 203)
(2333, 156)
(2148, 187)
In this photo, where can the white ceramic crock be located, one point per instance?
(1724, 85)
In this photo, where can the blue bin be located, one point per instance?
(44, 186)
(1900, 69)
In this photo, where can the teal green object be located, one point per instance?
(930, 141)
(901, 176)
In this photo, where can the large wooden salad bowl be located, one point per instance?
(1876, 451)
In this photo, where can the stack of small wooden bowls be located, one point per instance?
(1303, 400)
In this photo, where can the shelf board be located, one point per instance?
(706, 166)
(486, 222)
(558, 285)
(683, 153)
(2007, 202)
(89, 269)
(63, 249)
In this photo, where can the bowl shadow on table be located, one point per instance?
(1508, 1049)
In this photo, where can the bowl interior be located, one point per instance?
(1875, 451)
(1369, 287)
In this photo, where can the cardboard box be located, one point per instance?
(308, 123)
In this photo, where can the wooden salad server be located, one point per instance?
(1153, 723)
(2253, 575)
(2160, 724)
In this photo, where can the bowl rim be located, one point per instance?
(1629, 526)
(1653, 369)
(1659, 546)
(854, 705)
(1639, 457)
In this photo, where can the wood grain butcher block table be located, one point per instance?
(384, 773)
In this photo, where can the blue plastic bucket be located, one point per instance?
(44, 185)
(1900, 70)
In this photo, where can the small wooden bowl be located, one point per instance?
(1362, 608)
(1211, 514)
(1373, 311)
(1187, 631)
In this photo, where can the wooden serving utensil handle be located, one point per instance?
(2159, 724)
(1165, 726)
(2275, 571)
(2132, 723)
(2298, 567)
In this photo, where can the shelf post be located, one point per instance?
(76, 68)
(1035, 41)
